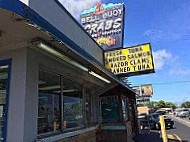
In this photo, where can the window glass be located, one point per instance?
(110, 109)
(56, 114)
(73, 105)
(124, 109)
(49, 113)
(3, 93)
(88, 107)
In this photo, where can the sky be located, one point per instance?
(166, 25)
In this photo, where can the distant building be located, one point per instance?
(142, 110)
(144, 93)
(143, 100)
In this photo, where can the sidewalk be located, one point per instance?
(153, 136)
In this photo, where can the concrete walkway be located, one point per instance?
(153, 136)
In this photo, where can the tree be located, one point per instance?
(170, 105)
(160, 104)
(141, 105)
(186, 104)
(151, 104)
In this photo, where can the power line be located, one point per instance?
(172, 82)
(162, 83)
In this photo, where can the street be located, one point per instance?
(154, 136)
(181, 130)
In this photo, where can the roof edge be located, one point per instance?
(26, 12)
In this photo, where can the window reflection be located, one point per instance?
(51, 108)
(3, 93)
(110, 109)
(49, 102)
(73, 115)
(124, 109)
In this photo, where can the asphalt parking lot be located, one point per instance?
(181, 129)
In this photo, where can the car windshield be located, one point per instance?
(166, 117)
(155, 116)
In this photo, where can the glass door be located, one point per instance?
(4, 89)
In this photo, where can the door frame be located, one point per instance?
(3, 63)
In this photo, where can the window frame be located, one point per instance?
(83, 92)
(4, 63)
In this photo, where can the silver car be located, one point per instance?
(183, 113)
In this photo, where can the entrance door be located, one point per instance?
(4, 91)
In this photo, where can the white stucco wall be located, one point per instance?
(23, 98)
(16, 108)
(54, 14)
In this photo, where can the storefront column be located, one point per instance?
(16, 108)
(31, 98)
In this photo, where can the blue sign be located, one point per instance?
(105, 23)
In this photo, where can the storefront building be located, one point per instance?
(52, 76)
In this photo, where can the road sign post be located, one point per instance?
(163, 129)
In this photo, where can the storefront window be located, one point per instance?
(88, 106)
(110, 109)
(73, 115)
(73, 105)
(49, 113)
(124, 109)
(61, 104)
(3, 97)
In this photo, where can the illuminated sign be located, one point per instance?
(105, 24)
(144, 90)
(130, 61)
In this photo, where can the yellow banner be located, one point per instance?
(130, 60)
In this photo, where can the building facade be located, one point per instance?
(52, 76)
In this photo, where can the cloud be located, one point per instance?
(174, 26)
(180, 72)
(75, 7)
(177, 67)
(157, 34)
(161, 57)
(166, 35)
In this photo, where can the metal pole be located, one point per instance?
(163, 129)
(62, 103)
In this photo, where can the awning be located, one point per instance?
(24, 15)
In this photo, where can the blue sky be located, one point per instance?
(166, 25)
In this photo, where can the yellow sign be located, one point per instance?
(133, 60)
(107, 41)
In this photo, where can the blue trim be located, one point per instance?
(117, 127)
(26, 12)
(2, 63)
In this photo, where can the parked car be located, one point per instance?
(142, 115)
(178, 110)
(183, 113)
(161, 112)
(155, 120)
(144, 121)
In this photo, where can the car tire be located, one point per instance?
(172, 127)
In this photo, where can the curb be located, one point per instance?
(180, 120)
